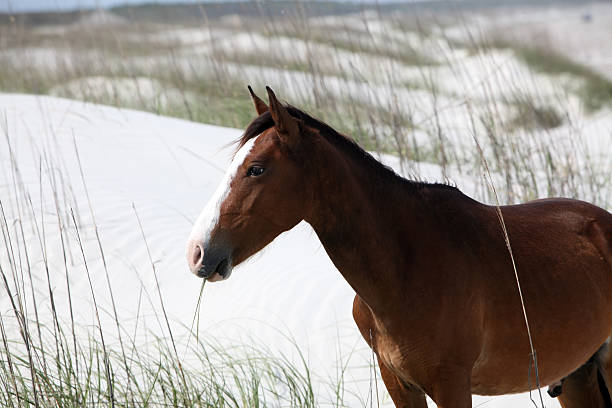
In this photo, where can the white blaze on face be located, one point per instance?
(209, 217)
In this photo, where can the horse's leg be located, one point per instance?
(403, 395)
(605, 361)
(603, 358)
(585, 387)
(452, 388)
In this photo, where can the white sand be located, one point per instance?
(581, 32)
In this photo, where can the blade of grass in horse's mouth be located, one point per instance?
(196, 317)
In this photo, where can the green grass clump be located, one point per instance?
(357, 42)
(532, 116)
(152, 375)
(595, 91)
(257, 58)
(223, 103)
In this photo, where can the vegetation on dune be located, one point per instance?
(153, 375)
(355, 41)
(595, 90)
(209, 100)
(532, 116)
(389, 96)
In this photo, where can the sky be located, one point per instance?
(55, 5)
(63, 5)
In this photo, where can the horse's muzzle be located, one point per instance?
(222, 271)
(212, 262)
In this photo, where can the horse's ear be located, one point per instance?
(260, 106)
(286, 125)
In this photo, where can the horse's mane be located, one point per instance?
(345, 144)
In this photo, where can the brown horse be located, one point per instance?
(436, 294)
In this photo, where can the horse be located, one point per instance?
(436, 297)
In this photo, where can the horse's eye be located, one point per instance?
(255, 171)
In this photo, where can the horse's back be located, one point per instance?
(572, 215)
(555, 224)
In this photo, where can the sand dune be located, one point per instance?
(167, 169)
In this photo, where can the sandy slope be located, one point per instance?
(581, 31)
(167, 168)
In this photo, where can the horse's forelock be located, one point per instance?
(264, 122)
(260, 124)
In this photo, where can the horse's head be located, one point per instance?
(261, 195)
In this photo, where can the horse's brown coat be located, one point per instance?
(435, 286)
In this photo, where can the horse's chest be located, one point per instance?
(408, 357)
(390, 353)
(395, 355)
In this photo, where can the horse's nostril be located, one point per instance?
(196, 254)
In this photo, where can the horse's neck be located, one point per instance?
(366, 222)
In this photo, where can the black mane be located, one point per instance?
(345, 144)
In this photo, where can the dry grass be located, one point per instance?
(383, 79)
